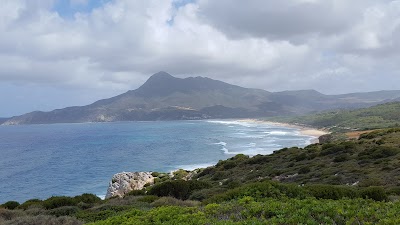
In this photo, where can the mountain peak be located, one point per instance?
(158, 84)
(163, 84)
(161, 75)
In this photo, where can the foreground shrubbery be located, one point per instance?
(269, 211)
(253, 203)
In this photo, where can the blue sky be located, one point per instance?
(67, 8)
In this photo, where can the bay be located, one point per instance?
(39, 161)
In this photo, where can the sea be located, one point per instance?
(40, 161)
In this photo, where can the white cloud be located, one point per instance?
(267, 44)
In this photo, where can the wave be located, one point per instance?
(101, 196)
(221, 143)
(279, 133)
(233, 122)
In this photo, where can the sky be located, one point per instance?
(58, 53)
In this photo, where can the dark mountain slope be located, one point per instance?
(164, 97)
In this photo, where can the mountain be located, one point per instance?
(164, 97)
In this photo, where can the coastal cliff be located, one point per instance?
(123, 183)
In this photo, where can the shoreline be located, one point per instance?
(303, 130)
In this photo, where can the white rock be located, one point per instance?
(123, 183)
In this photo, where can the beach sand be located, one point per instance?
(307, 131)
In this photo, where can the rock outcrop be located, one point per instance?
(123, 183)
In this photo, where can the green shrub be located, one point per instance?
(220, 175)
(58, 201)
(331, 192)
(148, 198)
(136, 193)
(87, 198)
(304, 170)
(301, 157)
(375, 193)
(257, 159)
(200, 195)
(342, 158)
(10, 205)
(180, 174)
(30, 203)
(207, 171)
(6, 214)
(155, 174)
(178, 188)
(257, 190)
(378, 152)
(44, 220)
(169, 201)
(92, 216)
(64, 211)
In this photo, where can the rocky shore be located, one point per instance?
(125, 182)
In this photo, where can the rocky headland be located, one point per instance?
(125, 182)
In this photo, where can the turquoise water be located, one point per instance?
(38, 161)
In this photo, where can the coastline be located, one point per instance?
(303, 130)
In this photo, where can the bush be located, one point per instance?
(58, 201)
(257, 190)
(169, 201)
(89, 216)
(29, 203)
(301, 157)
(64, 211)
(44, 220)
(155, 174)
(200, 195)
(6, 214)
(331, 192)
(10, 205)
(179, 188)
(207, 171)
(180, 174)
(304, 170)
(342, 158)
(375, 193)
(148, 198)
(378, 152)
(136, 193)
(87, 198)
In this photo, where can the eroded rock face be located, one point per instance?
(123, 183)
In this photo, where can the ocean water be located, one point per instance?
(39, 161)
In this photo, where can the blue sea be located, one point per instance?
(39, 161)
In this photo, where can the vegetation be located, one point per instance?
(376, 117)
(341, 182)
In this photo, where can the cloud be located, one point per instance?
(330, 45)
(292, 19)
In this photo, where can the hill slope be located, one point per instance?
(375, 117)
(164, 97)
(370, 161)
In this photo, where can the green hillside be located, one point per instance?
(375, 117)
(344, 182)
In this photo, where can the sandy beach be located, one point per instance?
(307, 131)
